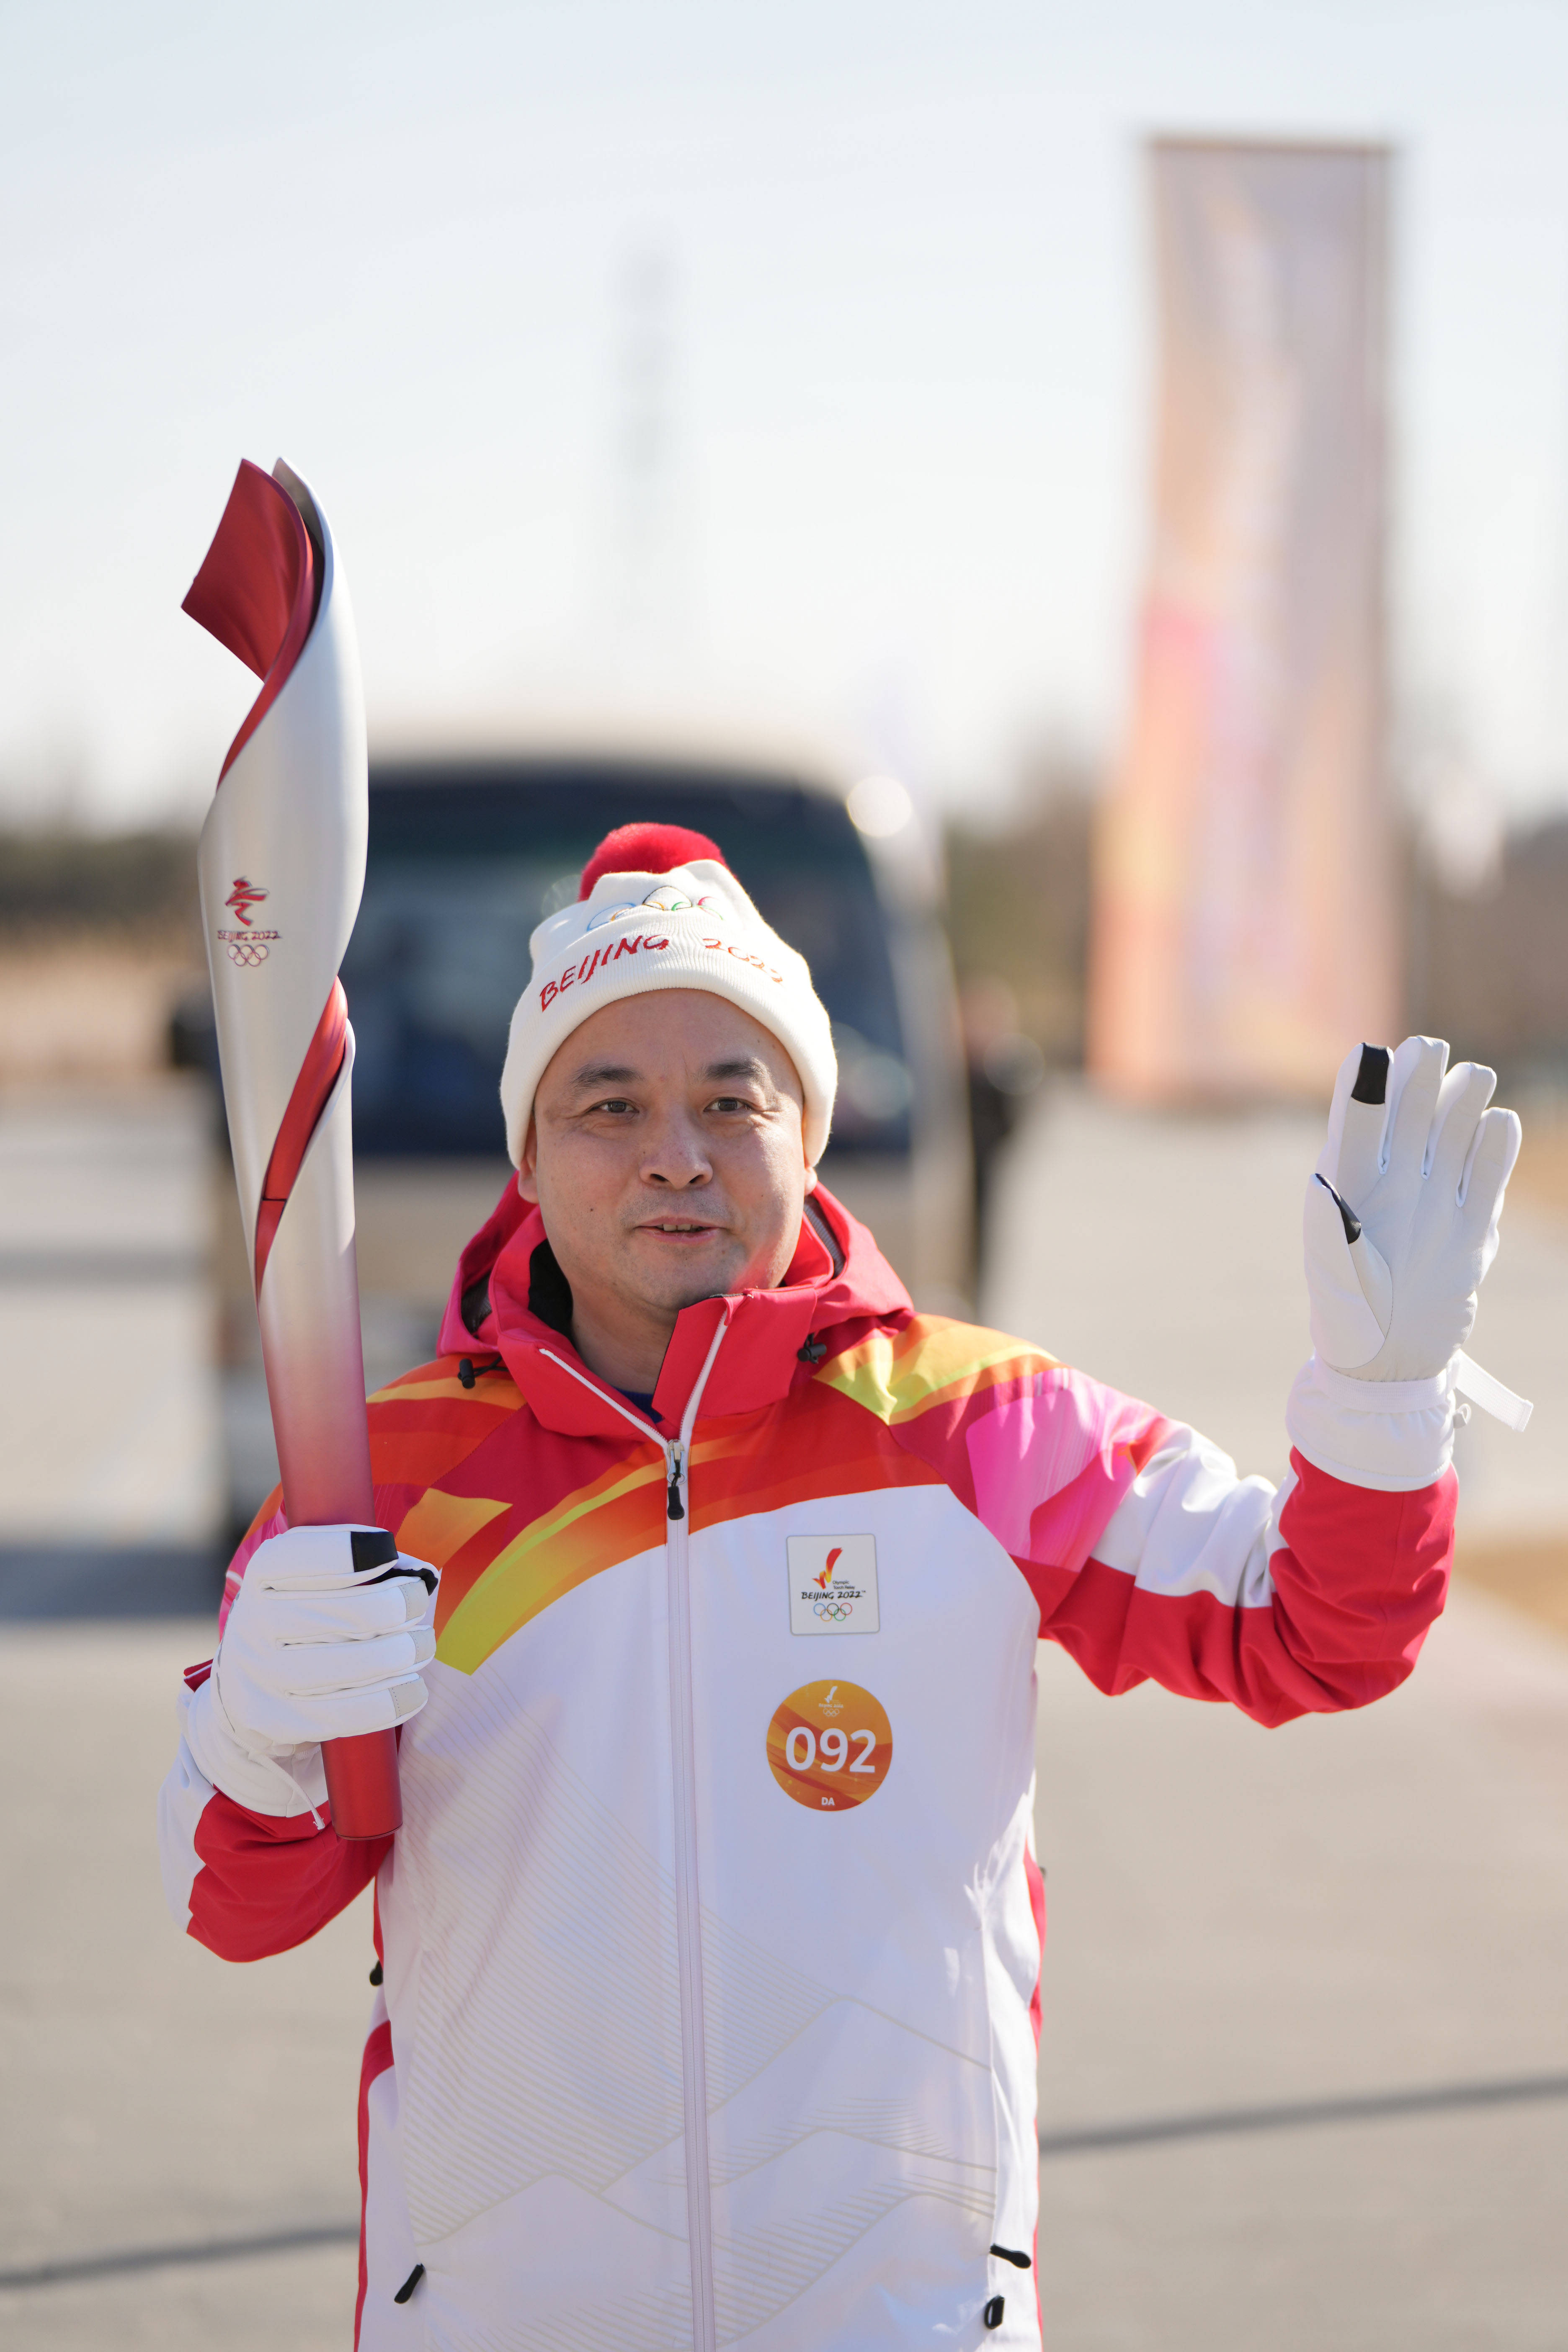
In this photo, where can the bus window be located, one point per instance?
(464, 861)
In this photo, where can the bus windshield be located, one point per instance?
(466, 859)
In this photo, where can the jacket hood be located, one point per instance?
(510, 1300)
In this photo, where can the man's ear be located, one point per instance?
(810, 1180)
(528, 1171)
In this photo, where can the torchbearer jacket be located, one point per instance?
(711, 1937)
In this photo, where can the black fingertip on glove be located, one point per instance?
(1371, 1080)
(1348, 1216)
(374, 1548)
(371, 1547)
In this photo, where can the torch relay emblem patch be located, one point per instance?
(833, 1584)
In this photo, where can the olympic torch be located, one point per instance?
(282, 866)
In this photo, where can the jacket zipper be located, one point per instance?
(687, 1902)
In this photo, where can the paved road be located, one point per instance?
(1267, 1923)
(109, 1421)
(1281, 1965)
(155, 2097)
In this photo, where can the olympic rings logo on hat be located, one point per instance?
(671, 899)
(833, 1612)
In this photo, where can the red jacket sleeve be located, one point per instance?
(1152, 1560)
(265, 1884)
(246, 1884)
(1330, 1613)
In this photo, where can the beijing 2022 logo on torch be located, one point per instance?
(247, 945)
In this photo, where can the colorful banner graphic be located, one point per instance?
(1246, 929)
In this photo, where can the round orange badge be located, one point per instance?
(829, 1745)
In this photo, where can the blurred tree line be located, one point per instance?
(100, 938)
(1018, 902)
(1485, 965)
(138, 888)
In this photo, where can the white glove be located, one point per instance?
(1402, 1213)
(324, 1641)
(1400, 1225)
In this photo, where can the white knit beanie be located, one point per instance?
(646, 921)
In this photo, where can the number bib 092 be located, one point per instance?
(829, 1746)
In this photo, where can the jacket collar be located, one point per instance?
(764, 1330)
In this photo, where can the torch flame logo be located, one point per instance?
(836, 1553)
(243, 897)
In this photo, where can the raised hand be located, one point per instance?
(1401, 1215)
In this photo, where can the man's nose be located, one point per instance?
(677, 1153)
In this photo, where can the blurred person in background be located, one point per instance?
(708, 1952)
(1003, 1068)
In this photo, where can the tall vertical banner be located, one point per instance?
(1245, 924)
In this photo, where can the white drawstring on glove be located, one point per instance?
(1400, 1225)
(324, 1641)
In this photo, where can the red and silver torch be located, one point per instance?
(282, 867)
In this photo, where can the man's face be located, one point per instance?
(666, 1155)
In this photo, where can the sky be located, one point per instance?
(871, 281)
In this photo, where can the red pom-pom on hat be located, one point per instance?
(646, 849)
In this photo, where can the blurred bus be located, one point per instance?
(466, 856)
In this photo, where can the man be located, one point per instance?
(712, 1938)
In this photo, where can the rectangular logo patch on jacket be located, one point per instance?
(833, 1584)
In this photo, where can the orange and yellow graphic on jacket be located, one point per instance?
(515, 1515)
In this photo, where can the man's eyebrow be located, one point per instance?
(747, 1066)
(606, 1073)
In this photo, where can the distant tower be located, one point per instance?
(646, 585)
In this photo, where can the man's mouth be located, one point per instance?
(676, 1228)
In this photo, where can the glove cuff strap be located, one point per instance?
(1396, 1436)
(1351, 1394)
(1482, 1388)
